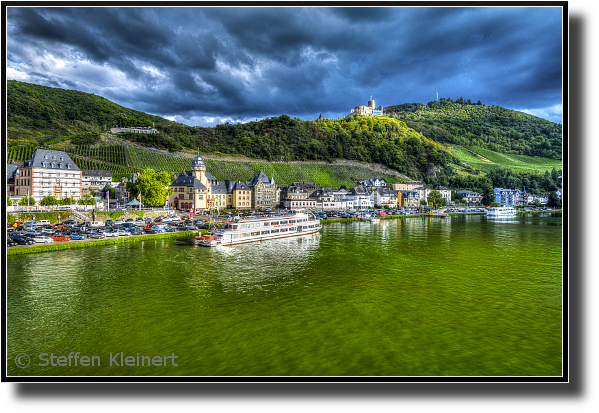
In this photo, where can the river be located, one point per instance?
(459, 296)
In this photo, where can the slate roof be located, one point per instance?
(189, 181)
(198, 161)
(96, 172)
(10, 173)
(358, 190)
(49, 158)
(262, 177)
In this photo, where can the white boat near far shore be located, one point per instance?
(499, 212)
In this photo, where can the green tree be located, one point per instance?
(152, 185)
(495, 204)
(488, 195)
(436, 199)
(49, 201)
(554, 200)
(24, 201)
(86, 200)
(8, 200)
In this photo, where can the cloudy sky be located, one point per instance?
(206, 66)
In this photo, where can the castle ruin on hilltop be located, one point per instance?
(369, 110)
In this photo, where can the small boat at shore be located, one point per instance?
(242, 230)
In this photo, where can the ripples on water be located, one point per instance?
(418, 296)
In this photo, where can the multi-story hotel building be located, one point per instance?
(406, 185)
(94, 180)
(46, 173)
(265, 192)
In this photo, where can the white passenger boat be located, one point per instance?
(241, 230)
(496, 212)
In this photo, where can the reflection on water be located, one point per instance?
(416, 296)
(260, 265)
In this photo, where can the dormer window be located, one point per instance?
(43, 164)
(52, 165)
(45, 156)
(68, 166)
(60, 165)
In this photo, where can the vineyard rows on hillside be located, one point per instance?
(124, 160)
(518, 163)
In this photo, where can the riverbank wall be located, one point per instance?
(57, 246)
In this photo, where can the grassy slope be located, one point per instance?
(486, 160)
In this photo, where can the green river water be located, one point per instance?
(464, 296)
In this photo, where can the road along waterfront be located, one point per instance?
(465, 296)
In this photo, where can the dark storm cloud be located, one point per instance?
(245, 63)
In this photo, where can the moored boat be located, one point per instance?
(498, 212)
(241, 230)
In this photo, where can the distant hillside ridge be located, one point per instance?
(41, 116)
(36, 114)
(462, 122)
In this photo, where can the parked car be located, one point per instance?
(23, 240)
(136, 231)
(10, 243)
(122, 233)
(55, 226)
(58, 237)
(32, 234)
(97, 235)
(76, 235)
(111, 234)
(42, 239)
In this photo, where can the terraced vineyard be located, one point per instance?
(331, 176)
(517, 163)
(123, 160)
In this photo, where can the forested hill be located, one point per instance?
(442, 143)
(39, 113)
(40, 116)
(462, 122)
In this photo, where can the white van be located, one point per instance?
(43, 222)
(96, 224)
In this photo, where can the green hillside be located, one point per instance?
(487, 161)
(491, 127)
(455, 144)
(123, 160)
(44, 116)
(36, 114)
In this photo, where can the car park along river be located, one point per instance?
(459, 296)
